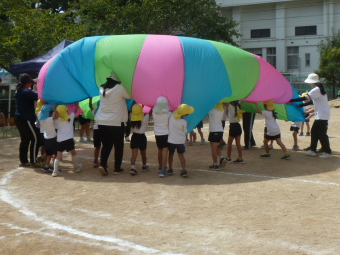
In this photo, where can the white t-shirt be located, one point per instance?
(215, 120)
(322, 110)
(112, 109)
(143, 126)
(177, 130)
(65, 129)
(161, 123)
(271, 124)
(231, 114)
(48, 128)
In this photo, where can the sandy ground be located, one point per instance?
(265, 206)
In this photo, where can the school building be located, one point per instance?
(285, 32)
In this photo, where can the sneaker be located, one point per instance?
(184, 173)
(56, 173)
(310, 153)
(159, 169)
(203, 142)
(95, 164)
(266, 155)
(170, 172)
(133, 172)
(238, 161)
(229, 160)
(145, 168)
(223, 162)
(286, 157)
(307, 134)
(301, 134)
(326, 155)
(163, 174)
(214, 167)
(89, 140)
(190, 143)
(296, 148)
(78, 168)
(40, 161)
(82, 140)
(118, 171)
(103, 170)
(127, 139)
(47, 169)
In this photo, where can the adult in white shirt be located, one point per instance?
(322, 114)
(110, 117)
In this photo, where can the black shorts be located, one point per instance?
(138, 141)
(215, 137)
(200, 124)
(162, 141)
(306, 115)
(41, 139)
(235, 129)
(97, 142)
(66, 145)
(83, 121)
(268, 137)
(180, 148)
(294, 129)
(50, 146)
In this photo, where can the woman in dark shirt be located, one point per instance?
(24, 120)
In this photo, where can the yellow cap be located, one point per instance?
(270, 105)
(219, 106)
(62, 111)
(40, 104)
(182, 110)
(137, 113)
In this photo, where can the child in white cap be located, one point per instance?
(178, 127)
(65, 141)
(161, 115)
(139, 123)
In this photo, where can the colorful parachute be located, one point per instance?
(185, 70)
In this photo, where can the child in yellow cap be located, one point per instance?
(273, 129)
(178, 127)
(139, 123)
(65, 141)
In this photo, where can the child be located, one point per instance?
(178, 127)
(65, 139)
(216, 135)
(235, 132)
(161, 115)
(272, 128)
(46, 120)
(306, 117)
(295, 128)
(139, 122)
(193, 135)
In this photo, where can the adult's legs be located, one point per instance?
(118, 143)
(107, 137)
(324, 140)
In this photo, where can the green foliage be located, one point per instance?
(195, 18)
(29, 28)
(27, 33)
(329, 61)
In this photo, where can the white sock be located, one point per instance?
(75, 161)
(56, 164)
(133, 166)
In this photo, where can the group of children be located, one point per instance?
(170, 130)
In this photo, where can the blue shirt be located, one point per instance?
(24, 102)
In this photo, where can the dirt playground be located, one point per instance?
(262, 207)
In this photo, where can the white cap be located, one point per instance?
(312, 78)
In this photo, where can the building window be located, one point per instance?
(256, 51)
(306, 30)
(307, 59)
(259, 33)
(292, 58)
(271, 56)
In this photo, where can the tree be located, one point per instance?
(195, 18)
(329, 68)
(27, 33)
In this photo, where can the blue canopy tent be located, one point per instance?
(33, 66)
